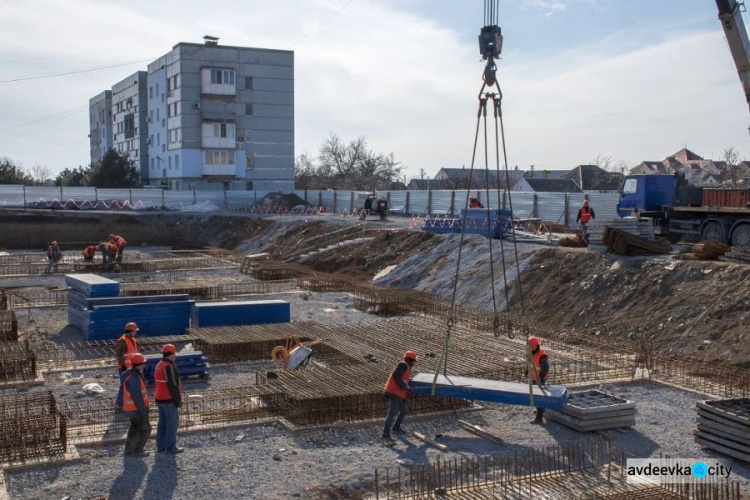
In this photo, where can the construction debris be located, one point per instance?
(429, 441)
(595, 411)
(708, 250)
(724, 426)
(624, 243)
(739, 254)
(475, 429)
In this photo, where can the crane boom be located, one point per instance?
(730, 15)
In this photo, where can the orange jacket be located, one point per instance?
(131, 347)
(162, 392)
(118, 241)
(537, 356)
(89, 251)
(391, 387)
(127, 400)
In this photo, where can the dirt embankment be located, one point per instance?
(694, 308)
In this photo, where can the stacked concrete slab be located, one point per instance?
(724, 426)
(189, 364)
(594, 410)
(595, 228)
(227, 313)
(81, 288)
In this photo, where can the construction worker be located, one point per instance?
(109, 252)
(54, 256)
(168, 395)
(474, 203)
(135, 405)
(397, 389)
(119, 243)
(539, 372)
(89, 252)
(585, 214)
(125, 347)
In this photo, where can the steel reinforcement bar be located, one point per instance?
(17, 362)
(31, 427)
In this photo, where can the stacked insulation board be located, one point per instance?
(724, 426)
(95, 308)
(595, 411)
(257, 312)
(189, 364)
(477, 222)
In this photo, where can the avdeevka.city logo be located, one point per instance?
(674, 470)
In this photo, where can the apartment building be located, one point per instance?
(129, 113)
(100, 125)
(214, 117)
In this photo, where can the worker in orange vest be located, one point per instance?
(539, 372)
(585, 214)
(109, 251)
(135, 405)
(397, 389)
(54, 256)
(474, 203)
(119, 243)
(89, 252)
(125, 347)
(168, 396)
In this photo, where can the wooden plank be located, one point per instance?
(723, 449)
(429, 441)
(475, 429)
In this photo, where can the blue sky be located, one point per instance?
(635, 80)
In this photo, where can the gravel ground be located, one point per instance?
(273, 463)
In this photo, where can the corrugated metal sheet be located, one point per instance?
(551, 207)
(604, 205)
(418, 202)
(398, 200)
(575, 201)
(327, 197)
(441, 202)
(523, 204)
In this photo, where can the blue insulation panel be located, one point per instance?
(476, 222)
(92, 285)
(256, 312)
(106, 301)
(494, 391)
(153, 319)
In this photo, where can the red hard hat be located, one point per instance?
(131, 327)
(137, 359)
(169, 348)
(533, 342)
(410, 355)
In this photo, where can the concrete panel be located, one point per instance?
(273, 84)
(274, 186)
(284, 72)
(207, 53)
(270, 174)
(258, 97)
(269, 149)
(274, 162)
(272, 111)
(282, 124)
(261, 136)
(269, 58)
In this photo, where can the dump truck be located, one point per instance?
(678, 209)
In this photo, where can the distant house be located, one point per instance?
(458, 178)
(545, 174)
(594, 179)
(422, 184)
(546, 186)
(697, 170)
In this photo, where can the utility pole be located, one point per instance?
(422, 173)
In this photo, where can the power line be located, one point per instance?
(66, 56)
(43, 118)
(325, 21)
(74, 72)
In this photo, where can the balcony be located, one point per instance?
(219, 170)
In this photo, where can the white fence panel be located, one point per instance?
(551, 207)
(418, 202)
(441, 202)
(344, 201)
(575, 201)
(523, 204)
(604, 205)
(143, 197)
(327, 199)
(11, 196)
(215, 197)
(398, 201)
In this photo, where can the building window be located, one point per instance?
(152, 163)
(176, 162)
(157, 114)
(151, 92)
(175, 135)
(248, 109)
(173, 82)
(173, 109)
(158, 138)
(169, 162)
(219, 157)
(249, 83)
(222, 76)
(157, 89)
(129, 126)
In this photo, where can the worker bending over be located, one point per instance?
(474, 203)
(119, 243)
(89, 252)
(397, 389)
(168, 396)
(135, 405)
(109, 252)
(539, 372)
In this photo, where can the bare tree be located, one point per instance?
(732, 158)
(610, 165)
(40, 174)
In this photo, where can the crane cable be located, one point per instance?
(490, 18)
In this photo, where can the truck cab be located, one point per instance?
(646, 194)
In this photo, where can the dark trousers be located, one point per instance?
(398, 406)
(540, 411)
(166, 428)
(118, 401)
(138, 434)
(119, 253)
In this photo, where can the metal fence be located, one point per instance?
(559, 208)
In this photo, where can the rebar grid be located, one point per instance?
(17, 362)
(20, 298)
(567, 470)
(95, 419)
(713, 378)
(8, 326)
(270, 270)
(196, 291)
(77, 355)
(31, 428)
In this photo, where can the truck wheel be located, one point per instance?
(713, 231)
(383, 216)
(741, 236)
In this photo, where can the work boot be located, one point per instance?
(176, 451)
(398, 430)
(388, 439)
(141, 454)
(537, 421)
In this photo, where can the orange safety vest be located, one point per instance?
(131, 348)
(127, 400)
(118, 241)
(161, 393)
(391, 387)
(89, 251)
(585, 214)
(537, 356)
